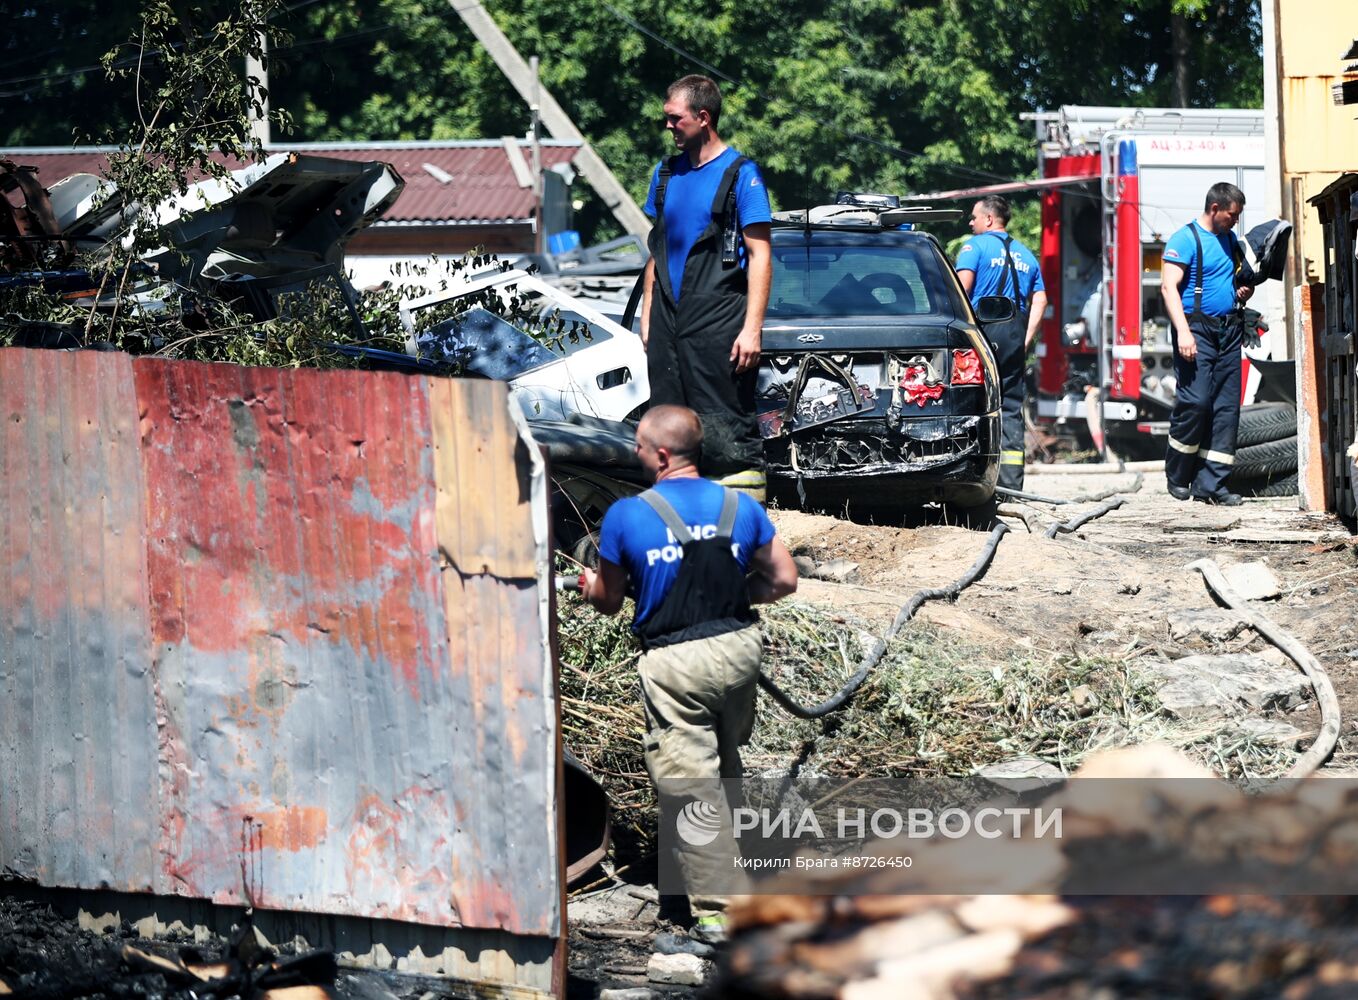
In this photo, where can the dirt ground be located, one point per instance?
(1111, 585)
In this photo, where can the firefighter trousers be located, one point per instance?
(1007, 341)
(699, 701)
(689, 364)
(1206, 417)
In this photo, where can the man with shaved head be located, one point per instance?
(695, 555)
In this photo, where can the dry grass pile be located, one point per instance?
(935, 705)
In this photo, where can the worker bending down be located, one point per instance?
(695, 556)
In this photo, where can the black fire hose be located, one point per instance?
(1075, 523)
(874, 655)
(1078, 498)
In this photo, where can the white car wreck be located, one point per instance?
(600, 371)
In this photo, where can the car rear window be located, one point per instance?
(815, 280)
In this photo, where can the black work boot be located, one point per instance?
(1222, 498)
(1177, 492)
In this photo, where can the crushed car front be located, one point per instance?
(875, 382)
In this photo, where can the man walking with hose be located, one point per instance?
(695, 556)
(994, 263)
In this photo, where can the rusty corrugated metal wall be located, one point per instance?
(314, 599)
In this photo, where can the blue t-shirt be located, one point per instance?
(634, 537)
(1218, 280)
(688, 205)
(984, 254)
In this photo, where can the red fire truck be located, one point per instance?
(1116, 183)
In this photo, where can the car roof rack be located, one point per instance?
(882, 216)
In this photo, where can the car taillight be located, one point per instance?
(966, 368)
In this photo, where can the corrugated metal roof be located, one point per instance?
(309, 604)
(482, 188)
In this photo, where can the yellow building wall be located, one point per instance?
(1319, 138)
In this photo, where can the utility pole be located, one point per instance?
(539, 230)
(587, 161)
(259, 120)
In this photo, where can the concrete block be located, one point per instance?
(682, 970)
(1253, 581)
(837, 571)
(1207, 625)
(1220, 685)
(1021, 774)
(1271, 731)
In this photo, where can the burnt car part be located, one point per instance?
(886, 309)
(29, 228)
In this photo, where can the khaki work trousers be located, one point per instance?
(699, 702)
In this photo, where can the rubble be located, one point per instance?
(1271, 731)
(836, 571)
(1211, 625)
(681, 970)
(1253, 581)
(1022, 774)
(855, 938)
(1223, 684)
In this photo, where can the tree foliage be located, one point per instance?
(826, 95)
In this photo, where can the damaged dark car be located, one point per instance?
(876, 385)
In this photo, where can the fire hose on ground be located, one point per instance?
(1328, 736)
(874, 655)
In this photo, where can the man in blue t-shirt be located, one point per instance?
(706, 285)
(994, 263)
(698, 671)
(1202, 286)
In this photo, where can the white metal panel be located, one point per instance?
(1172, 196)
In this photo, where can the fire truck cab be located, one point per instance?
(1116, 183)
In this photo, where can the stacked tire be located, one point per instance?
(1266, 451)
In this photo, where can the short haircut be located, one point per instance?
(700, 94)
(674, 427)
(1225, 194)
(998, 206)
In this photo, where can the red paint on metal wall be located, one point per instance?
(313, 556)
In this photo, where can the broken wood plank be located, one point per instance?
(1264, 535)
(625, 933)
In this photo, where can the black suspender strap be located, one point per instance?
(1011, 272)
(1197, 289)
(724, 213)
(662, 182)
(726, 523)
(669, 515)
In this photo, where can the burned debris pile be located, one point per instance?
(857, 937)
(44, 956)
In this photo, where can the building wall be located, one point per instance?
(1319, 139)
